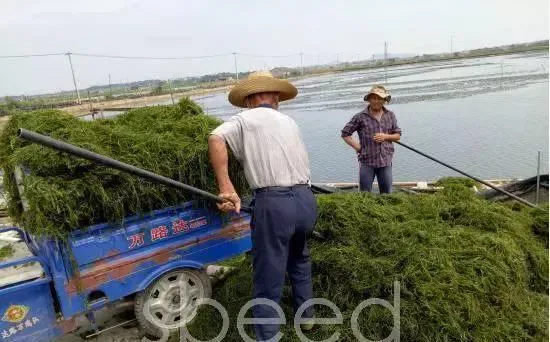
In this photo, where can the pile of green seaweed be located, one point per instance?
(61, 193)
(467, 269)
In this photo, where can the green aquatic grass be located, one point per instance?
(468, 270)
(6, 252)
(65, 193)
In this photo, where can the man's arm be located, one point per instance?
(393, 137)
(396, 130)
(219, 159)
(347, 132)
(353, 143)
(380, 137)
(395, 134)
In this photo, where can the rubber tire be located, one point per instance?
(148, 328)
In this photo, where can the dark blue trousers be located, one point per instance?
(383, 175)
(280, 223)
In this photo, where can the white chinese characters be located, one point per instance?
(29, 323)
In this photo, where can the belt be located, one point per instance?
(282, 188)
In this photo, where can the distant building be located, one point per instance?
(282, 72)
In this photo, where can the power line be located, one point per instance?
(93, 55)
(34, 55)
(265, 56)
(147, 57)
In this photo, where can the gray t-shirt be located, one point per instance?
(268, 145)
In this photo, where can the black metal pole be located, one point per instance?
(468, 175)
(115, 164)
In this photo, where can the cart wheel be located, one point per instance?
(170, 300)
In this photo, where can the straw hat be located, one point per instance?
(260, 82)
(380, 91)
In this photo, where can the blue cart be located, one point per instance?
(157, 260)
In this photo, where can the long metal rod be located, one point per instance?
(115, 164)
(538, 178)
(97, 333)
(468, 175)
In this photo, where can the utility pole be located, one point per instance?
(302, 62)
(501, 74)
(171, 92)
(385, 62)
(451, 69)
(74, 79)
(236, 70)
(110, 90)
(538, 178)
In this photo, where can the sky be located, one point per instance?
(324, 31)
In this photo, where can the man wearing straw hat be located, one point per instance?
(377, 128)
(269, 147)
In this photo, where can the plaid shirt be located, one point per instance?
(372, 153)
